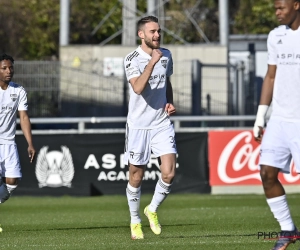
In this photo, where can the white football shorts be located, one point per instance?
(281, 143)
(9, 161)
(141, 142)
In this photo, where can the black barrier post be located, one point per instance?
(241, 91)
(196, 87)
(252, 75)
(208, 101)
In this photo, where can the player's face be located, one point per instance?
(286, 11)
(6, 71)
(151, 35)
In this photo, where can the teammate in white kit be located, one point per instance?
(148, 69)
(12, 99)
(281, 140)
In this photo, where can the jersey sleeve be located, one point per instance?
(23, 105)
(170, 66)
(272, 55)
(131, 68)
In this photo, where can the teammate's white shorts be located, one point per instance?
(281, 143)
(9, 161)
(140, 142)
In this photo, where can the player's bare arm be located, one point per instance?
(139, 83)
(26, 128)
(170, 109)
(265, 101)
(268, 85)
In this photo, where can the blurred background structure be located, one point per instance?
(69, 54)
(69, 57)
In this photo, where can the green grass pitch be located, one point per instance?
(189, 221)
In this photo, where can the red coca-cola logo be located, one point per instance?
(234, 157)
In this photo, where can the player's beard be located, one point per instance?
(150, 44)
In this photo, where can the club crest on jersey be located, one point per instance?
(13, 97)
(164, 63)
(54, 168)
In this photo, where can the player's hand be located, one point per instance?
(258, 129)
(260, 122)
(258, 138)
(31, 153)
(156, 55)
(170, 109)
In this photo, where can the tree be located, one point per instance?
(40, 27)
(29, 29)
(83, 23)
(254, 17)
(186, 17)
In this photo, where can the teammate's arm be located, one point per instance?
(170, 109)
(268, 85)
(265, 101)
(139, 83)
(26, 128)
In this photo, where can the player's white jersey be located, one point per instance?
(12, 99)
(284, 52)
(147, 110)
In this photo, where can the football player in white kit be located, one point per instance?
(281, 140)
(149, 128)
(12, 99)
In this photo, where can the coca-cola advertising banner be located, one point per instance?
(233, 160)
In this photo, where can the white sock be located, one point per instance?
(133, 198)
(11, 188)
(161, 192)
(281, 211)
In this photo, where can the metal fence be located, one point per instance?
(57, 90)
(41, 79)
(81, 125)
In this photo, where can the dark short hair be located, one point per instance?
(145, 20)
(4, 56)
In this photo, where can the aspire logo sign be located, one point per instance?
(54, 168)
(112, 167)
